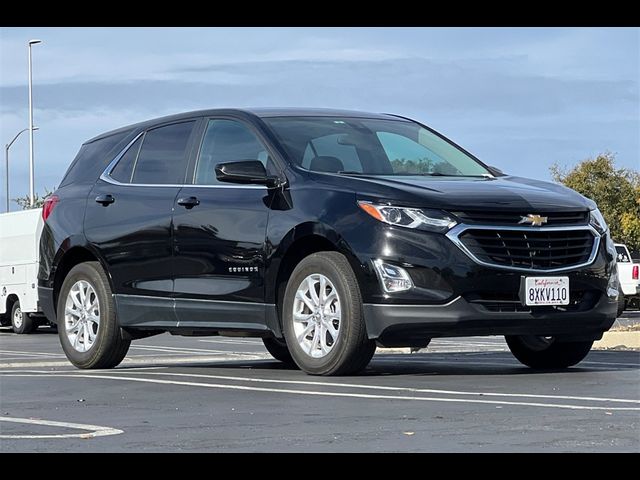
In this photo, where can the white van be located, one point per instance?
(19, 255)
(629, 273)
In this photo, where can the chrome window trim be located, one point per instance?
(106, 175)
(455, 232)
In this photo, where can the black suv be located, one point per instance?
(324, 233)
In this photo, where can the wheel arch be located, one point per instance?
(69, 258)
(11, 299)
(300, 242)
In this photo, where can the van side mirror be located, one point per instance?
(245, 172)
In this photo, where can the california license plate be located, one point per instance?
(544, 291)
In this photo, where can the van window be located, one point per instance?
(163, 157)
(623, 255)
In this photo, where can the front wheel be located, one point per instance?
(322, 317)
(20, 321)
(87, 325)
(546, 352)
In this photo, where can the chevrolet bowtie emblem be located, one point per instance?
(534, 220)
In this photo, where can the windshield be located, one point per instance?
(370, 147)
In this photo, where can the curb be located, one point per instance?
(619, 340)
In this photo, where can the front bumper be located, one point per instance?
(454, 295)
(414, 325)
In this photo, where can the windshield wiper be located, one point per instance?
(437, 174)
(425, 174)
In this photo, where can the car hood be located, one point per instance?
(465, 193)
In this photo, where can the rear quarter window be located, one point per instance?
(93, 158)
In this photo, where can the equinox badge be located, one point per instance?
(534, 220)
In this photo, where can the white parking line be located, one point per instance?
(91, 431)
(233, 341)
(32, 354)
(386, 387)
(336, 394)
(172, 351)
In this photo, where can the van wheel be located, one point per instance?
(278, 349)
(546, 352)
(322, 317)
(21, 322)
(87, 324)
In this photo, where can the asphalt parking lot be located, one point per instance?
(227, 395)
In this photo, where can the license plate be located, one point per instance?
(541, 291)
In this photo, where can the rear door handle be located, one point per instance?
(105, 200)
(188, 202)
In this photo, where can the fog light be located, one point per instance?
(612, 287)
(393, 278)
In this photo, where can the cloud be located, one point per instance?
(519, 98)
(389, 84)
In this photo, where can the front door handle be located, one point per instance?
(105, 200)
(188, 202)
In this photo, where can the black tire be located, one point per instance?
(20, 321)
(109, 348)
(546, 352)
(352, 350)
(622, 305)
(278, 349)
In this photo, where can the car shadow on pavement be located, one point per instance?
(468, 363)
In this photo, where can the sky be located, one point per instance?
(518, 98)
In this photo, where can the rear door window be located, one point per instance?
(163, 156)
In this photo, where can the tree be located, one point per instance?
(38, 200)
(615, 190)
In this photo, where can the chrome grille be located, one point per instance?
(513, 218)
(528, 249)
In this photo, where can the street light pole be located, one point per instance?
(31, 169)
(6, 163)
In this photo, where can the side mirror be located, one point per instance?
(246, 172)
(495, 171)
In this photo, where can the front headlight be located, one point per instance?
(420, 218)
(596, 220)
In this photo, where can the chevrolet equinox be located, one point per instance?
(323, 232)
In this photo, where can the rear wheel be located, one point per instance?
(546, 352)
(20, 321)
(88, 328)
(278, 349)
(322, 317)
